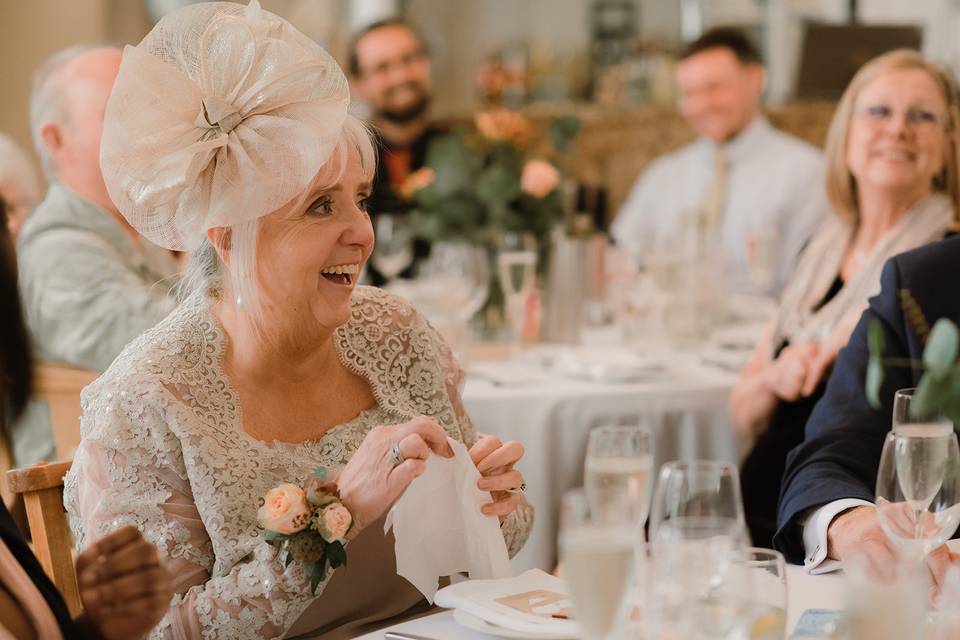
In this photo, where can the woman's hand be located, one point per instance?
(124, 589)
(495, 462)
(371, 482)
(787, 376)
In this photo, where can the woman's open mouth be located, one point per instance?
(342, 274)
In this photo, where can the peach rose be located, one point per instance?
(332, 522)
(539, 178)
(285, 510)
(419, 179)
(503, 125)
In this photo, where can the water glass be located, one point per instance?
(918, 480)
(460, 273)
(393, 249)
(697, 527)
(758, 579)
(618, 470)
(597, 549)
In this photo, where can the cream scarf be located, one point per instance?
(820, 264)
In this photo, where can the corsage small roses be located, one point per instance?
(309, 523)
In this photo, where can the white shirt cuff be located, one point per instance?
(815, 527)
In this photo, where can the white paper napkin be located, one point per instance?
(439, 528)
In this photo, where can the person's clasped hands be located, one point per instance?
(124, 587)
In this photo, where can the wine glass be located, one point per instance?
(597, 550)
(759, 582)
(918, 481)
(461, 273)
(393, 249)
(618, 470)
(696, 528)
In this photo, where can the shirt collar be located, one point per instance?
(87, 215)
(745, 142)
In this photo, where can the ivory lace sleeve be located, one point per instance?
(130, 470)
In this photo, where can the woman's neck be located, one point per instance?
(274, 358)
(880, 211)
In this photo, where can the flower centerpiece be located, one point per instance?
(309, 523)
(482, 182)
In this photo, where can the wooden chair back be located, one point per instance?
(42, 489)
(60, 387)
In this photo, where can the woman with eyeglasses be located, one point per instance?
(891, 180)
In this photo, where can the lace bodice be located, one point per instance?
(163, 448)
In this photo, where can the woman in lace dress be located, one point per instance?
(227, 135)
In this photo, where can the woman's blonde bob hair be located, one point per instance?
(841, 185)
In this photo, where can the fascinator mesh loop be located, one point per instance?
(221, 115)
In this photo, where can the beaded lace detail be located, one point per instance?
(164, 449)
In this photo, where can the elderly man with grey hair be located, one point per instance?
(90, 282)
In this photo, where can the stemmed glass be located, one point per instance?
(697, 527)
(393, 250)
(918, 481)
(618, 470)
(461, 273)
(517, 272)
(597, 550)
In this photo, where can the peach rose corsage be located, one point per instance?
(309, 523)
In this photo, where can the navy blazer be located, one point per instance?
(844, 435)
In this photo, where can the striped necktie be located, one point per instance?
(716, 194)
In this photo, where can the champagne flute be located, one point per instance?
(597, 550)
(696, 528)
(918, 480)
(618, 469)
(517, 274)
(393, 249)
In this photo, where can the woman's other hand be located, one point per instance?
(124, 588)
(372, 481)
(495, 461)
(787, 376)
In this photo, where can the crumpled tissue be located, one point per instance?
(439, 528)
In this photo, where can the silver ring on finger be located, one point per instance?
(520, 489)
(396, 455)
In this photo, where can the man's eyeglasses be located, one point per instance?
(406, 60)
(917, 117)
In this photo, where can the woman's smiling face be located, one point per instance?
(310, 255)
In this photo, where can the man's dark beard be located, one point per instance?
(409, 114)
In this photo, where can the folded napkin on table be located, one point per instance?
(439, 528)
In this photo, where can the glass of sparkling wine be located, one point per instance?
(393, 250)
(918, 481)
(618, 470)
(597, 550)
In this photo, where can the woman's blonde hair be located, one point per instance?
(841, 185)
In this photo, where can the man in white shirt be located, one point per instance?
(748, 183)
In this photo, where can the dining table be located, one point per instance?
(549, 397)
(804, 592)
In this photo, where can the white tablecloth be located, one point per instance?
(803, 592)
(686, 406)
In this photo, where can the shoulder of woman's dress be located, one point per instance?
(133, 376)
(374, 302)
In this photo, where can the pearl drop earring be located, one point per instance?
(239, 301)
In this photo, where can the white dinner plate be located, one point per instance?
(607, 365)
(471, 621)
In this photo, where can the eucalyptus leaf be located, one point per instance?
(875, 339)
(928, 396)
(942, 346)
(874, 381)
